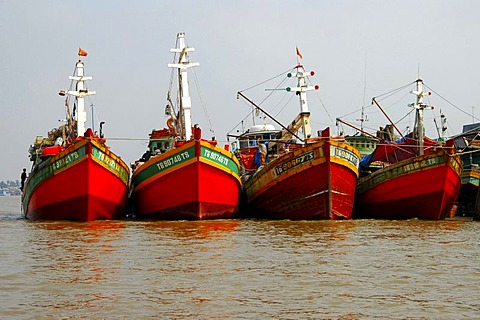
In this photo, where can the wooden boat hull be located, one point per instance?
(468, 191)
(424, 187)
(314, 182)
(85, 182)
(196, 181)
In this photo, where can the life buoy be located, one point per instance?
(170, 124)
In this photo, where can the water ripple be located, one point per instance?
(239, 269)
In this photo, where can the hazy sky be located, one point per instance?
(358, 49)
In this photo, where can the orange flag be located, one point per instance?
(299, 54)
(82, 52)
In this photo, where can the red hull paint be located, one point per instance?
(195, 191)
(428, 193)
(316, 190)
(85, 191)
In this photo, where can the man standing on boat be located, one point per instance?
(23, 177)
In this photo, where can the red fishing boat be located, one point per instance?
(415, 177)
(74, 174)
(287, 177)
(183, 176)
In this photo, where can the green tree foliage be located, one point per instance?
(9, 183)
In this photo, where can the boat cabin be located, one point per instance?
(255, 136)
(363, 143)
(160, 141)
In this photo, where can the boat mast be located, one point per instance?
(255, 106)
(303, 119)
(358, 129)
(185, 101)
(444, 125)
(80, 93)
(93, 122)
(363, 118)
(420, 106)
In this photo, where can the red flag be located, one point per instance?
(82, 52)
(299, 54)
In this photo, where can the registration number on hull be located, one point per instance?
(295, 162)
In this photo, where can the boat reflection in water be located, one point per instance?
(206, 229)
(235, 269)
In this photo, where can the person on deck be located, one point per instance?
(146, 156)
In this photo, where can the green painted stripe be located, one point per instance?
(165, 164)
(110, 163)
(68, 159)
(45, 171)
(219, 159)
(394, 172)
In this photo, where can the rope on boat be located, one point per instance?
(127, 139)
(467, 152)
(205, 111)
(456, 107)
(323, 105)
(281, 74)
(383, 97)
(392, 92)
(146, 139)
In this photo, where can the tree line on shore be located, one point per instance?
(10, 184)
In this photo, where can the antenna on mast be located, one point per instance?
(362, 116)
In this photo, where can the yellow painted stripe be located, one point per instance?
(221, 150)
(165, 172)
(117, 158)
(162, 156)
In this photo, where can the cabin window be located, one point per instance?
(234, 146)
(243, 144)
